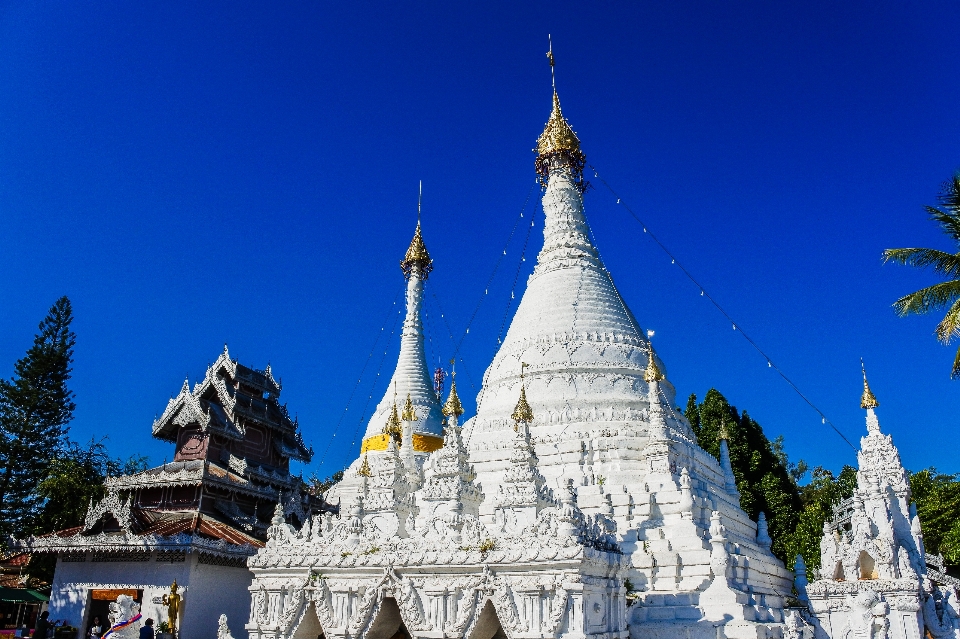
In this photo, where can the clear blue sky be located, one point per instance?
(198, 173)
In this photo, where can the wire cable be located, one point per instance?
(359, 378)
(716, 304)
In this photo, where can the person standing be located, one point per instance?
(42, 628)
(146, 632)
(95, 629)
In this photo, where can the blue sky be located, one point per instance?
(192, 174)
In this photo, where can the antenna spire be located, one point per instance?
(419, 199)
(553, 79)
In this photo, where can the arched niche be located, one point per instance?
(867, 566)
(488, 624)
(389, 623)
(838, 573)
(309, 626)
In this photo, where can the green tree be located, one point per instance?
(317, 486)
(72, 479)
(945, 294)
(761, 469)
(35, 408)
(937, 497)
(824, 491)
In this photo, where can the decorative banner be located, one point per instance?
(112, 594)
(121, 625)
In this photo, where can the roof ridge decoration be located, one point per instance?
(111, 504)
(417, 260)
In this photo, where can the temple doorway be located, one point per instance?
(488, 624)
(389, 623)
(309, 627)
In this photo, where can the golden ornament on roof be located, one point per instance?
(409, 413)
(364, 470)
(523, 412)
(393, 424)
(868, 399)
(453, 406)
(417, 260)
(557, 134)
(653, 372)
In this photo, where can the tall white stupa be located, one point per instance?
(575, 503)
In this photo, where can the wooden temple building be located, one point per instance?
(195, 520)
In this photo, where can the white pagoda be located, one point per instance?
(576, 503)
(876, 580)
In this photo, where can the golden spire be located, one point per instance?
(453, 406)
(364, 470)
(558, 146)
(417, 260)
(868, 399)
(522, 412)
(653, 372)
(393, 424)
(557, 135)
(409, 414)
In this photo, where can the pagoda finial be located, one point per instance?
(453, 407)
(868, 400)
(653, 372)
(417, 260)
(558, 145)
(409, 413)
(522, 412)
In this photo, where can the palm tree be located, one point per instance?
(945, 294)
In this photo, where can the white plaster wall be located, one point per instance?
(207, 591)
(73, 581)
(216, 590)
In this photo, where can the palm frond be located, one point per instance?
(955, 373)
(949, 220)
(950, 195)
(949, 326)
(928, 299)
(946, 264)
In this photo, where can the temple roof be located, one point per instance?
(229, 396)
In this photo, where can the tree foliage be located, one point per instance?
(317, 486)
(72, 479)
(824, 491)
(945, 294)
(766, 480)
(937, 497)
(35, 407)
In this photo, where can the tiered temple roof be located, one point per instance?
(231, 467)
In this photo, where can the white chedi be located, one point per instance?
(537, 518)
(874, 580)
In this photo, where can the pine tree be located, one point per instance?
(760, 467)
(35, 407)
